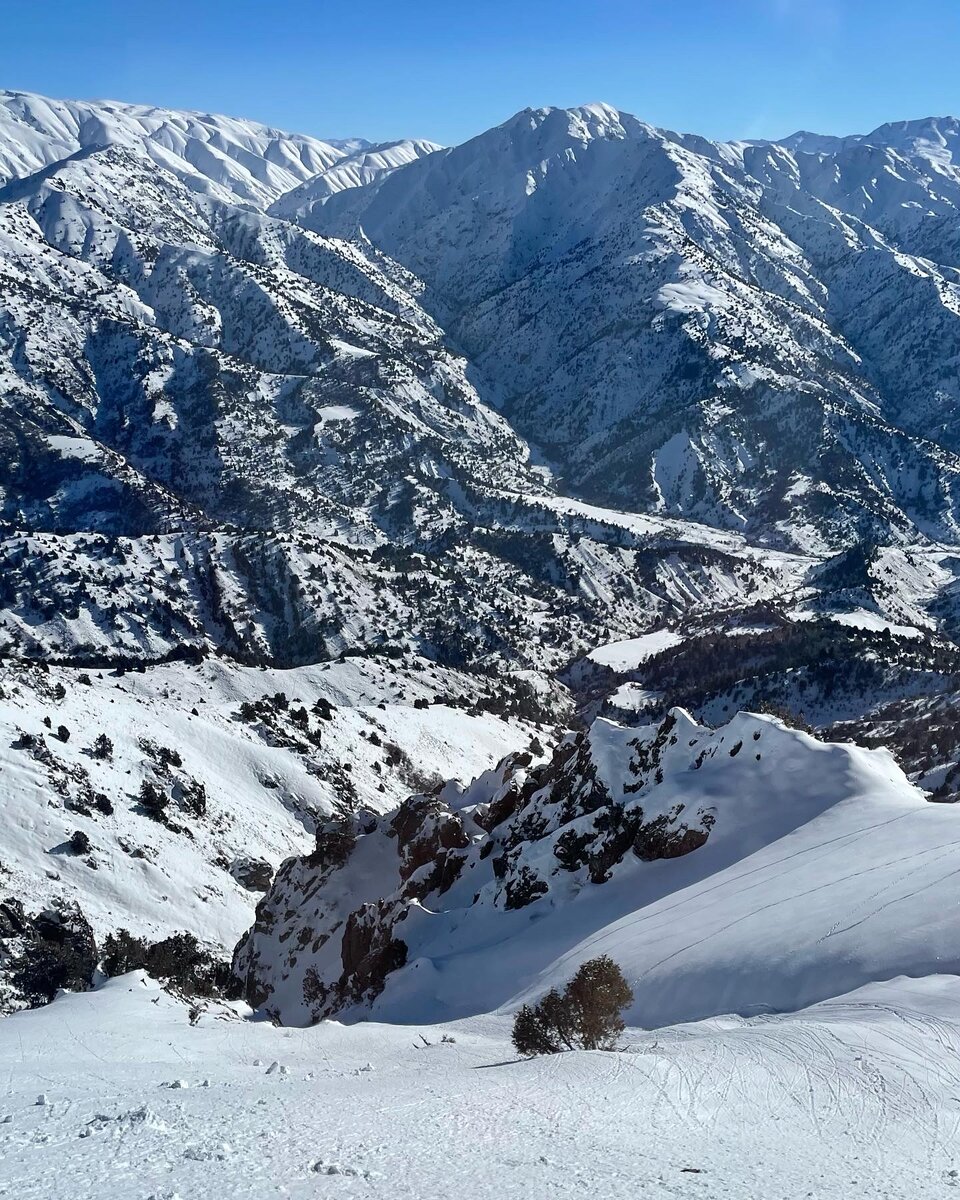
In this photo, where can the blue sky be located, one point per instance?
(446, 70)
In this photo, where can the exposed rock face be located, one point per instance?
(428, 836)
(42, 953)
(255, 874)
(368, 954)
(332, 930)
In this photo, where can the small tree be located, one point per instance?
(102, 747)
(596, 997)
(543, 1028)
(79, 842)
(154, 800)
(585, 1016)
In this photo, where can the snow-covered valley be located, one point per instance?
(423, 570)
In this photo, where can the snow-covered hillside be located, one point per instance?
(141, 1096)
(681, 851)
(247, 764)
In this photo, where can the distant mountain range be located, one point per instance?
(763, 336)
(349, 473)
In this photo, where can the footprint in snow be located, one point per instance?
(325, 1168)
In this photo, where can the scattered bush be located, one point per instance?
(122, 952)
(585, 1016)
(178, 961)
(154, 800)
(168, 757)
(102, 747)
(193, 797)
(79, 842)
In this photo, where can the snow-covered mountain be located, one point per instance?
(259, 412)
(761, 336)
(380, 504)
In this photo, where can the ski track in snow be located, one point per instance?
(857, 1097)
(147, 244)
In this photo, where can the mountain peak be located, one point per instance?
(585, 122)
(227, 157)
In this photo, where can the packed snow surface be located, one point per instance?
(622, 656)
(854, 1098)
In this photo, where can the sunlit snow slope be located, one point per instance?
(749, 868)
(850, 1100)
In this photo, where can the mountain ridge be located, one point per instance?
(339, 472)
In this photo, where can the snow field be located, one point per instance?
(854, 1098)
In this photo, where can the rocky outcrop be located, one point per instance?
(537, 830)
(255, 874)
(42, 953)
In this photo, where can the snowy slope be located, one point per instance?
(849, 1100)
(269, 778)
(362, 167)
(735, 332)
(682, 852)
(859, 890)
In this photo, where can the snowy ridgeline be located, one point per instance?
(125, 1093)
(164, 801)
(745, 869)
